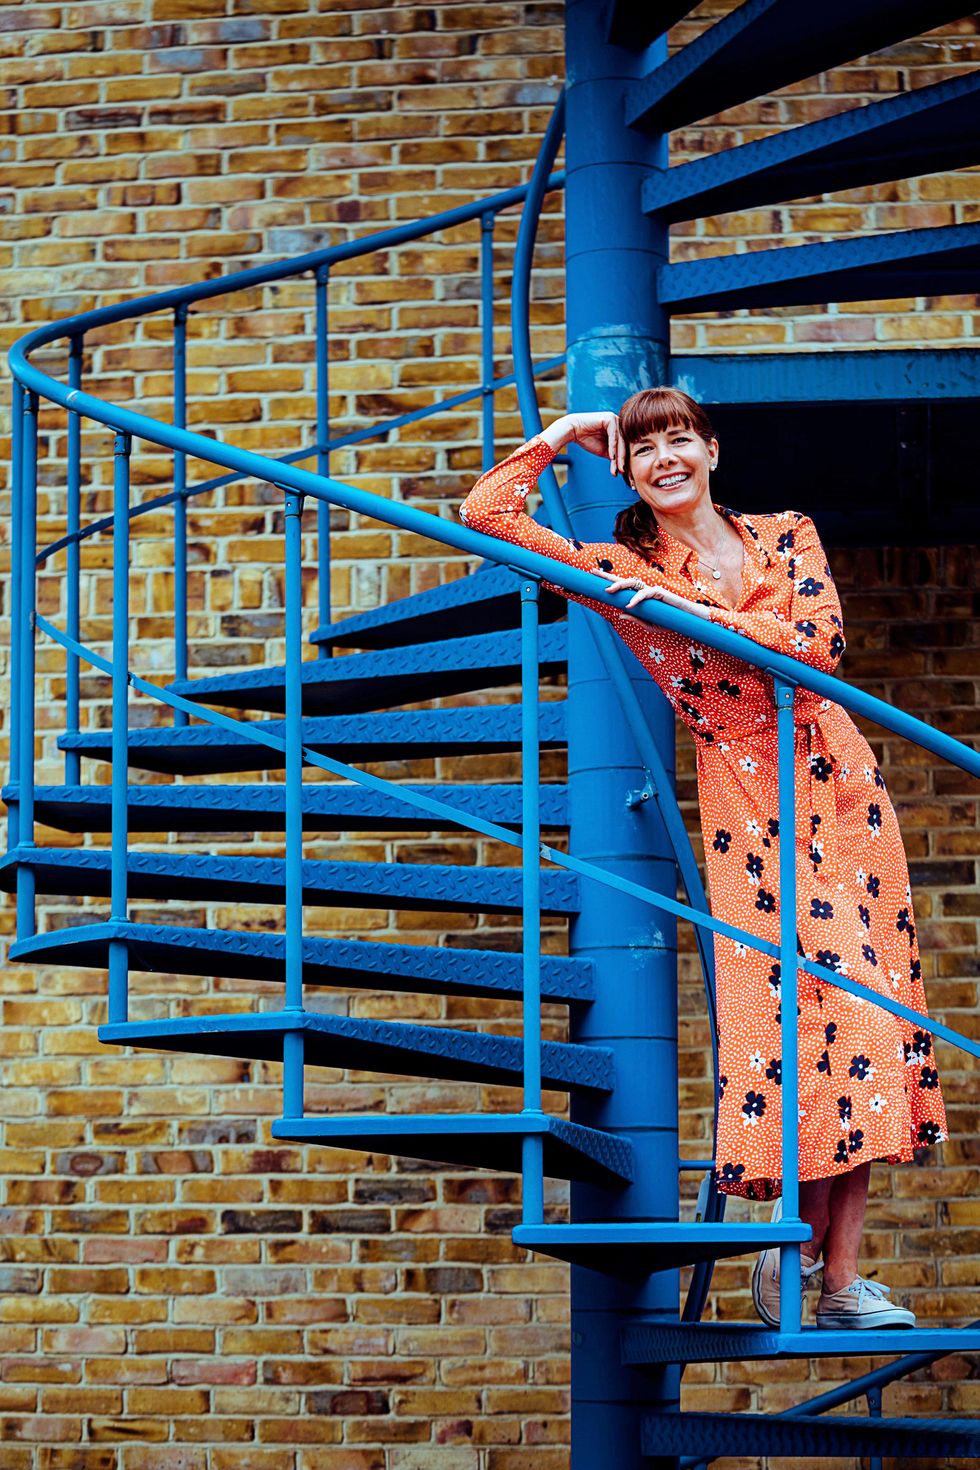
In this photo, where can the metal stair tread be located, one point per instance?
(807, 1435)
(481, 1140)
(639, 1248)
(715, 1342)
(359, 1044)
(367, 681)
(427, 886)
(372, 736)
(347, 963)
(325, 806)
(490, 597)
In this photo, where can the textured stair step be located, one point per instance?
(486, 602)
(928, 130)
(480, 1140)
(639, 1248)
(205, 750)
(326, 807)
(427, 886)
(716, 1342)
(369, 681)
(807, 1435)
(348, 963)
(373, 1046)
(763, 45)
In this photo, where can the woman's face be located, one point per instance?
(669, 469)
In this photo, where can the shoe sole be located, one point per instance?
(862, 1322)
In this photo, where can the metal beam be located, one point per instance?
(767, 44)
(903, 263)
(914, 133)
(830, 376)
(636, 26)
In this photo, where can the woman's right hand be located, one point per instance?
(598, 432)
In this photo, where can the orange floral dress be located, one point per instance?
(868, 1083)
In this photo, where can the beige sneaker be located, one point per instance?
(862, 1304)
(765, 1278)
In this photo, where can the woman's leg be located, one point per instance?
(815, 1207)
(848, 1198)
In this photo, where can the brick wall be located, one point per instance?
(178, 1291)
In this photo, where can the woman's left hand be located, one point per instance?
(642, 591)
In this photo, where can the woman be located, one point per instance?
(869, 1088)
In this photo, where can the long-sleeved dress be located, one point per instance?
(869, 1088)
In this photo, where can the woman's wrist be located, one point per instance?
(557, 434)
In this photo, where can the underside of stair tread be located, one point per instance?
(349, 963)
(426, 886)
(388, 735)
(326, 806)
(395, 1047)
(806, 1435)
(478, 1140)
(713, 1342)
(369, 681)
(488, 601)
(637, 1249)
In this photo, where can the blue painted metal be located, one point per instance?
(293, 1046)
(717, 1342)
(482, 1140)
(809, 1435)
(761, 46)
(532, 1150)
(16, 585)
(374, 1046)
(789, 1257)
(344, 963)
(322, 281)
(829, 377)
(632, 1250)
(348, 806)
(181, 647)
(488, 436)
(373, 736)
(25, 636)
(942, 260)
(119, 854)
(636, 26)
(73, 571)
(928, 130)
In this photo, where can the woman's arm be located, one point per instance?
(813, 631)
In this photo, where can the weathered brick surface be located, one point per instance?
(177, 1289)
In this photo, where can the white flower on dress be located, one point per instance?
(824, 704)
(799, 643)
(861, 876)
(752, 828)
(523, 490)
(749, 1120)
(869, 775)
(756, 1061)
(657, 654)
(895, 978)
(740, 949)
(877, 1104)
(753, 880)
(724, 746)
(843, 772)
(748, 764)
(695, 652)
(800, 1114)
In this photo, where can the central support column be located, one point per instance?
(617, 343)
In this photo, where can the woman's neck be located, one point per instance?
(699, 528)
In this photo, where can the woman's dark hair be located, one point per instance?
(653, 411)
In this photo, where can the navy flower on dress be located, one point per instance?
(722, 840)
(929, 1132)
(860, 1067)
(869, 954)
(928, 1077)
(809, 587)
(829, 958)
(874, 818)
(754, 866)
(731, 1173)
(753, 1107)
(844, 1109)
(774, 1071)
(873, 885)
(840, 1154)
(830, 1032)
(821, 767)
(765, 901)
(864, 915)
(821, 908)
(855, 1141)
(734, 691)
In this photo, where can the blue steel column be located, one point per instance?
(617, 343)
(180, 507)
(119, 894)
(322, 279)
(26, 883)
(293, 1043)
(16, 531)
(73, 759)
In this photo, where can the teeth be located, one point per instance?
(665, 484)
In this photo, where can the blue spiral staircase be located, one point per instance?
(492, 629)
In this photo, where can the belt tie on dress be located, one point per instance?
(819, 835)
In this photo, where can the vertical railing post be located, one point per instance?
(180, 506)
(873, 1396)
(532, 1147)
(322, 277)
(73, 759)
(118, 909)
(16, 552)
(26, 881)
(487, 222)
(292, 1055)
(789, 1256)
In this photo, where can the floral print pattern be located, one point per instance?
(855, 904)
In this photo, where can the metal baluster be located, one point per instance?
(180, 506)
(789, 1255)
(487, 223)
(73, 759)
(324, 650)
(16, 531)
(26, 883)
(292, 1051)
(532, 1145)
(873, 1395)
(118, 912)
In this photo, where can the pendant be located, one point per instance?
(717, 576)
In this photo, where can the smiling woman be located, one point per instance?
(867, 1086)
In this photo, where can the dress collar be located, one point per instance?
(674, 555)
